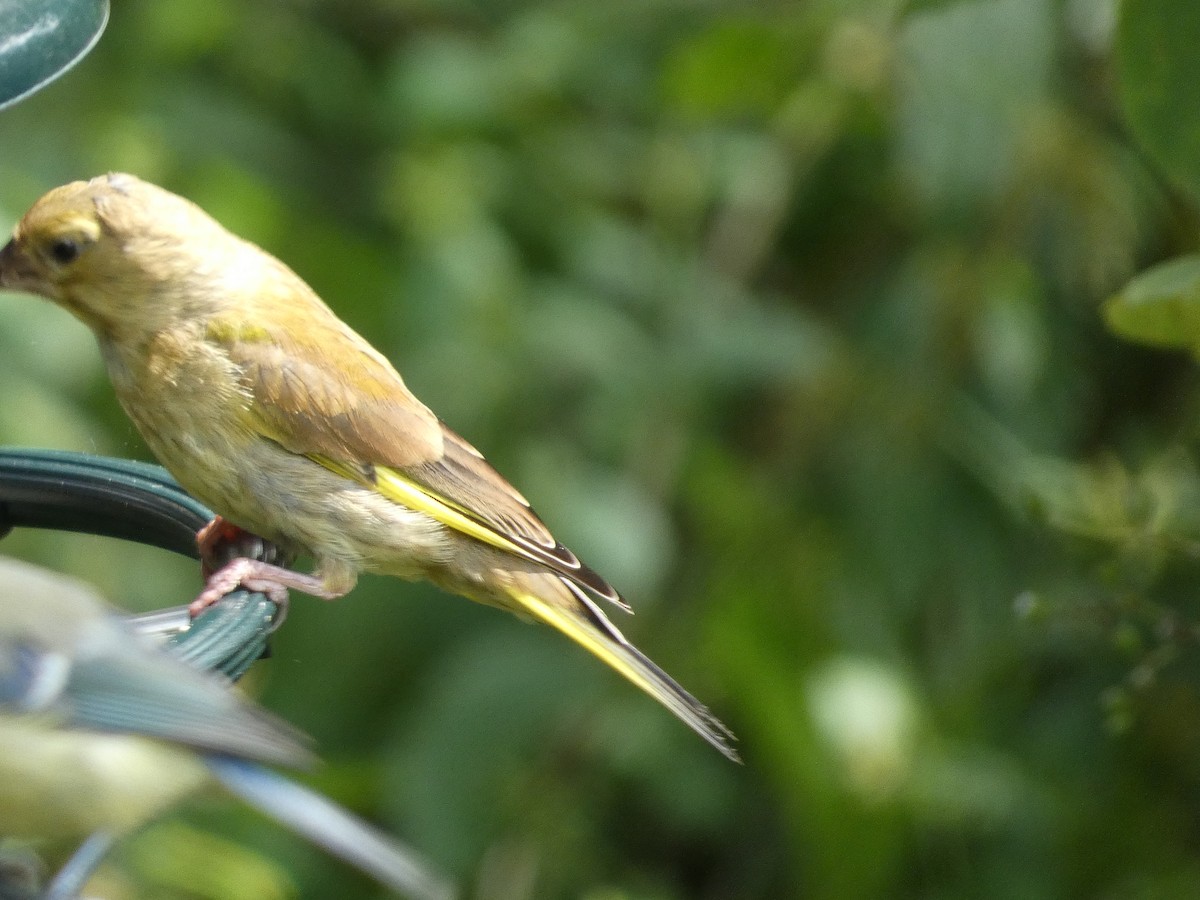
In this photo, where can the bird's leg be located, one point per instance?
(263, 577)
(231, 557)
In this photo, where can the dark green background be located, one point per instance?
(786, 317)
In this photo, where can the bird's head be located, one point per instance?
(110, 250)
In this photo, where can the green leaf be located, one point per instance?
(41, 39)
(1160, 83)
(1161, 306)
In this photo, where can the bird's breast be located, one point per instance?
(186, 401)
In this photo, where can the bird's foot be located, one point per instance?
(231, 557)
(263, 577)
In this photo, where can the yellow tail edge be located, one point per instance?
(634, 665)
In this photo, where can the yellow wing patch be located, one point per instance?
(413, 492)
(408, 493)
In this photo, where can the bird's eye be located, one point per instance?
(64, 250)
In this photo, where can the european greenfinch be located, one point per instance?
(102, 731)
(276, 414)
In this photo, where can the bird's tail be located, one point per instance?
(328, 825)
(577, 616)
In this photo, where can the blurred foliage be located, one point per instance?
(1160, 76)
(787, 317)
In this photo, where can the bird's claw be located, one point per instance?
(251, 574)
(231, 557)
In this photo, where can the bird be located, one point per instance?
(102, 731)
(271, 410)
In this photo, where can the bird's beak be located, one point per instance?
(15, 272)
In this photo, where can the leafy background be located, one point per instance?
(788, 317)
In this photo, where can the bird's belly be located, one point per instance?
(302, 506)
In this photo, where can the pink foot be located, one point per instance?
(263, 577)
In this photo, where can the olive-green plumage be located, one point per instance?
(275, 413)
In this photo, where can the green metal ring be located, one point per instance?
(138, 502)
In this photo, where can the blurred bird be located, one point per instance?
(101, 731)
(272, 411)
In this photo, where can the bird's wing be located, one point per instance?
(117, 685)
(327, 394)
(325, 391)
(462, 491)
(463, 481)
